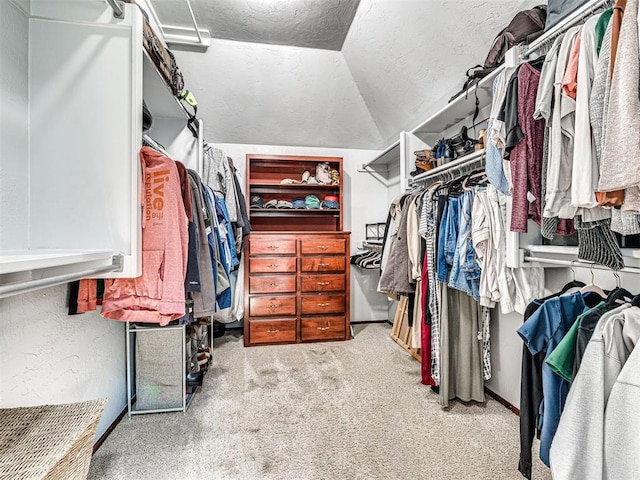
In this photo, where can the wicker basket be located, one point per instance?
(48, 441)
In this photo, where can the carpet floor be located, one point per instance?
(339, 410)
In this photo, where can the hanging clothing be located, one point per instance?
(217, 173)
(619, 167)
(158, 295)
(203, 300)
(585, 170)
(461, 349)
(526, 157)
(396, 275)
(541, 333)
(559, 169)
(579, 449)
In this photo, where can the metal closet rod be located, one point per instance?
(579, 264)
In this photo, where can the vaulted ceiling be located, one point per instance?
(331, 73)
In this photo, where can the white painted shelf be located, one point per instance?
(13, 261)
(454, 112)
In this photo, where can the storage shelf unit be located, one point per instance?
(264, 176)
(428, 131)
(81, 196)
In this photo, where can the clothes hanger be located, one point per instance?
(592, 287)
(568, 286)
(474, 179)
(618, 295)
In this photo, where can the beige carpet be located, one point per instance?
(343, 410)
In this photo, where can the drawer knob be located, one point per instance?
(323, 304)
(324, 329)
(323, 247)
(272, 332)
(323, 284)
(273, 247)
(323, 265)
(273, 305)
(272, 266)
(273, 284)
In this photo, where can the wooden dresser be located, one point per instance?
(296, 259)
(298, 288)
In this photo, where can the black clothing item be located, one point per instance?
(74, 288)
(585, 331)
(410, 308)
(530, 398)
(192, 278)
(242, 203)
(514, 134)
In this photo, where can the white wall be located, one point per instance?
(14, 140)
(408, 57)
(277, 95)
(365, 202)
(46, 357)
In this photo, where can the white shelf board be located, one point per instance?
(12, 261)
(556, 250)
(458, 109)
(158, 95)
(389, 156)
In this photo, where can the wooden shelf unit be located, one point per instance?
(297, 259)
(264, 176)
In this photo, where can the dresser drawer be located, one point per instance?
(272, 246)
(272, 284)
(323, 264)
(323, 283)
(281, 330)
(319, 304)
(323, 328)
(272, 265)
(319, 246)
(266, 306)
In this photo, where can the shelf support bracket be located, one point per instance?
(118, 10)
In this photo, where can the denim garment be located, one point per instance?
(465, 273)
(223, 218)
(441, 268)
(541, 333)
(448, 239)
(216, 245)
(493, 161)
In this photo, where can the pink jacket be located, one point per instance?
(158, 295)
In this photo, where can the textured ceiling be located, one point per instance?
(400, 62)
(303, 23)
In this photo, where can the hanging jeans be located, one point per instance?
(448, 238)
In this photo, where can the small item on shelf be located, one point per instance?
(289, 181)
(284, 204)
(298, 203)
(305, 176)
(323, 173)
(330, 204)
(257, 201)
(335, 177)
(271, 204)
(461, 144)
(482, 138)
(312, 202)
(312, 181)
